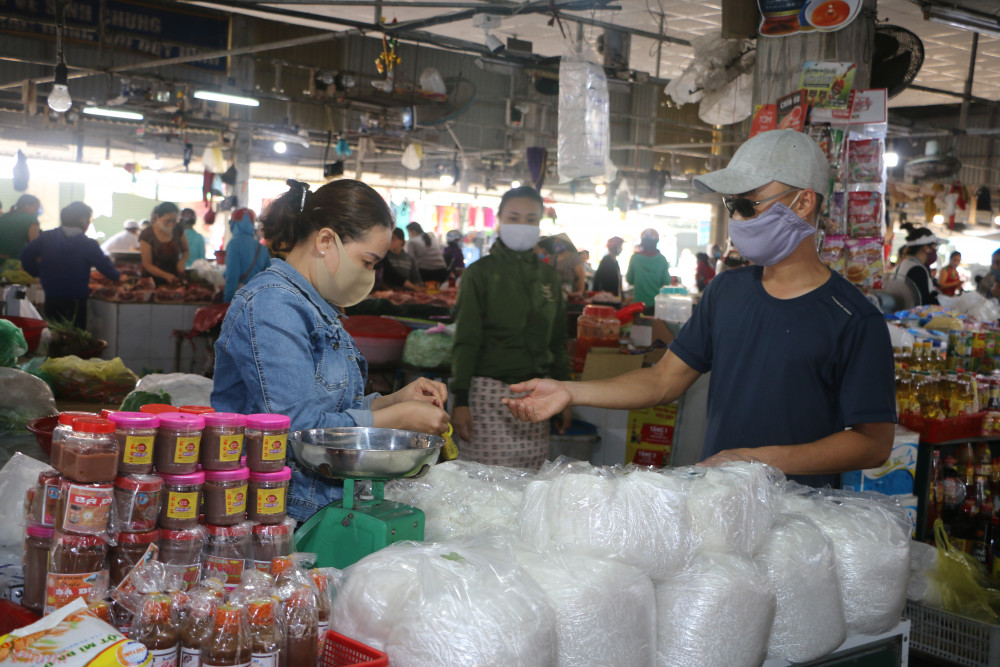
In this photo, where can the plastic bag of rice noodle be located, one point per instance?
(637, 516)
(717, 611)
(870, 534)
(809, 621)
(590, 595)
(446, 604)
(461, 498)
(732, 506)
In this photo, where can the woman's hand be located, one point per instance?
(461, 421)
(418, 416)
(545, 398)
(422, 389)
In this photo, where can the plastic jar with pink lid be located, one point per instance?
(178, 441)
(222, 441)
(196, 409)
(266, 441)
(268, 492)
(62, 431)
(180, 500)
(226, 496)
(135, 433)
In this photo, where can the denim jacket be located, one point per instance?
(278, 334)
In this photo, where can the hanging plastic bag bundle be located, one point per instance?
(584, 116)
(809, 620)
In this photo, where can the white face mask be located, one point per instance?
(519, 237)
(349, 286)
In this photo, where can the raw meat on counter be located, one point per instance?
(144, 290)
(445, 298)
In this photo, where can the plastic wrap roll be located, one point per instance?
(718, 611)
(639, 517)
(924, 589)
(923, 557)
(446, 604)
(591, 596)
(461, 498)
(809, 621)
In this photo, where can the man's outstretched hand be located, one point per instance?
(544, 399)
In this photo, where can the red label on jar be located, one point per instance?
(236, 500)
(274, 448)
(271, 501)
(186, 449)
(61, 589)
(230, 447)
(182, 505)
(190, 574)
(231, 567)
(87, 509)
(138, 450)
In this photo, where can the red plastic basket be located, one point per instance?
(341, 651)
(934, 431)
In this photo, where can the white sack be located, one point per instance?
(715, 613)
(184, 388)
(18, 475)
(799, 560)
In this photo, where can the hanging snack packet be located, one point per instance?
(864, 214)
(834, 253)
(864, 159)
(864, 262)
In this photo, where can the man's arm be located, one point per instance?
(860, 447)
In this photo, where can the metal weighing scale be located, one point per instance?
(347, 530)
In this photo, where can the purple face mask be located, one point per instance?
(771, 236)
(931, 258)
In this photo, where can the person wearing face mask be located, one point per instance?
(802, 366)
(510, 325)
(163, 251)
(608, 277)
(989, 286)
(916, 257)
(246, 256)
(648, 269)
(283, 348)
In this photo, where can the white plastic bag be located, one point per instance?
(870, 534)
(431, 81)
(412, 156)
(809, 621)
(717, 611)
(446, 604)
(584, 116)
(639, 517)
(184, 388)
(24, 397)
(605, 610)
(16, 477)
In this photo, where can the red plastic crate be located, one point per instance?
(341, 651)
(934, 431)
(13, 616)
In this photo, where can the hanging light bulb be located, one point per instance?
(59, 99)
(280, 147)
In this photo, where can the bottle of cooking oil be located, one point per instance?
(928, 396)
(938, 357)
(949, 395)
(917, 357)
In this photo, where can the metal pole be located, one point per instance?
(963, 116)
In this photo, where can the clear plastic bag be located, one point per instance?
(809, 621)
(717, 611)
(637, 516)
(91, 380)
(24, 397)
(584, 116)
(184, 388)
(16, 477)
(429, 348)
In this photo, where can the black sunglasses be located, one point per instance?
(747, 208)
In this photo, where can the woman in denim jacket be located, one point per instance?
(283, 348)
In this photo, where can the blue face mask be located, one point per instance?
(771, 236)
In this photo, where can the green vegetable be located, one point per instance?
(137, 399)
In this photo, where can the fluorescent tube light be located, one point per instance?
(676, 194)
(112, 113)
(228, 99)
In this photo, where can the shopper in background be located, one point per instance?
(425, 248)
(144, 225)
(916, 256)
(704, 272)
(399, 270)
(989, 285)
(648, 269)
(164, 253)
(801, 362)
(608, 277)
(19, 226)
(510, 325)
(568, 265)
(127, 240)
(454, 258)
(949, 279)
(283, 348)
(62, 259)
(195, 241)
(588, 270)
(246, 256)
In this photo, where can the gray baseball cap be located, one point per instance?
(786, 156)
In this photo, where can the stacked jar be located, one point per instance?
(272, 541)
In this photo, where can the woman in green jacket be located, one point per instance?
(648, 269)
(510, 326)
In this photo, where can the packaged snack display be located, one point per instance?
(77, 568)
(270, 542)
(177, 443)
(227, 552)
(135, 433)
(222, 441)
(864, 214)
(84, 508)
(266, 439)
(229, 643)
(180, 500)
(133, 549)
(864, 262)
(45, 501)
(37, 543)
(268, 492)
(835, 223)
(226, 496)
(137, 502)
(90, 453)
(153, 628)
(834, 253)
(180, 552)
(864, 160)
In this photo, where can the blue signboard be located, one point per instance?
(151, 30)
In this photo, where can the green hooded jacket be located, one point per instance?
(510, 322)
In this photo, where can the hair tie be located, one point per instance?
(301, 189)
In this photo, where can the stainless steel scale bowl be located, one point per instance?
(364, 453)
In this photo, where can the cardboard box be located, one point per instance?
(604, 363)
(651, 435)
(660, 333)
